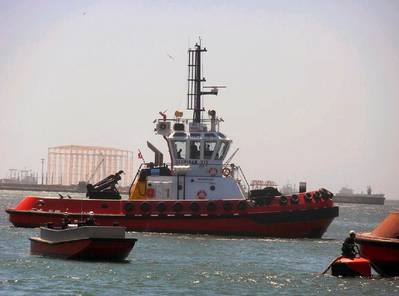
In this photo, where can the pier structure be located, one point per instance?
(71, 164)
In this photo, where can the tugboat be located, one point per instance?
(198, 192)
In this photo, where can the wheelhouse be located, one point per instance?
(189, 148)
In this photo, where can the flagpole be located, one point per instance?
(140, 156)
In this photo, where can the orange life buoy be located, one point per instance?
(213, 171)
(202, 194)
(226, 172)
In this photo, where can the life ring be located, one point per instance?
(213, 171)
(202, 194)
(283, 200)
(226, 172)
(128, 207)
(294, 199)
(316, 195)
(161, 207)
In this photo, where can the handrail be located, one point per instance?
(240, 174)
(246, 181)
(185, 120)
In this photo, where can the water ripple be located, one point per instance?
(193, 264)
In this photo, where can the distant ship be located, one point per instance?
(346, 195)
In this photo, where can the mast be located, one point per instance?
(197, 100)
(194, 80)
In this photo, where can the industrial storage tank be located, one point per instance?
(71, 164)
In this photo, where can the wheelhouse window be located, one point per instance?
(179, 135)
(195, 149)
(180, 149)
(222, 150)
(209, 147)
(221, 135)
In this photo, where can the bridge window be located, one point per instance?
(210, 135)
(222, 150)
(195, 135)
(221, 135)
(180, 149)
(209, 148)
(179, 134)
(195, 149)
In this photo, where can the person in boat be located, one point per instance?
(194, 151)
(208, 152)
(349, 247)
(179, 154)
(90, 220)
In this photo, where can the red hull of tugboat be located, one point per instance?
(109, 249)
(302, 219)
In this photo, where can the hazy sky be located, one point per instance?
(312, 86)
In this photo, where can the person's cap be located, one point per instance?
(91, 213)
(352, 232)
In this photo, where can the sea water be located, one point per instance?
(176, 264)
